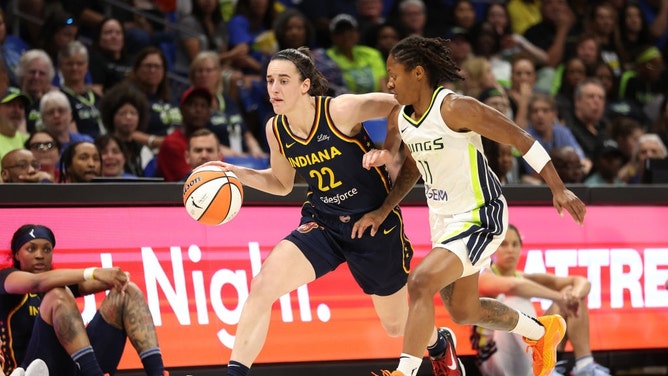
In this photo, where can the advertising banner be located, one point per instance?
(196, 277)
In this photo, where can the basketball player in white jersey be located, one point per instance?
(468, 213)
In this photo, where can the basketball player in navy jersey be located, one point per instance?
(40, 319)
(467, 210)
(323, 140)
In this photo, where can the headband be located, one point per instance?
(648, 55)
(32, 233)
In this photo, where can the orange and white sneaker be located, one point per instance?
(385, 372)
(544, 350)
(448, 364)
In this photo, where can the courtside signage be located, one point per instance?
(196, 277)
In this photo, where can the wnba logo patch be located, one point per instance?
(306, 227)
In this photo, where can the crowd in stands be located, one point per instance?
(94, 91)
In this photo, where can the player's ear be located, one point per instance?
(306, 85)
(419, 72)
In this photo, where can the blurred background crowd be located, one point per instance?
(100, 90)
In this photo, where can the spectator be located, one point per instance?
(587, 122)
(649, 146)
(12, 119)
(11, 48)
(660, 126)
(603, 23)
(511, 43)
(113, 156)
(463, 15)
(21, 166)
(56, 114)
(501, 160)
(634, 31)
(478, 75)
(555, 32)
(487, 43)
(84, 101)
(643, 85)
(574, 71)
(59, 29)
(294, 30)
(383, 37)
(125, 114)
(588, 53)
(497, 99)
(35, 73)
(369, 15)
(196, 109)
(501, 353)
(58, 335)
(363, 67)
(545, 127)
(460, 45)
(80, 163)
(251, 30)
(656, 14)
(524, 14)
(149, 75)
(568, 165)
(608, 161)
(626, 131)
(144, 24)
(321, 13)
(615, 106)
(412, 17)
(226, 120)
(203, 146)
(46, 150)
(202, 30)
(109, 63)
(522, 81)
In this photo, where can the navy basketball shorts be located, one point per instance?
(379, 264)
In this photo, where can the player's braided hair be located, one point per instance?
(303, 60)
(432, 54)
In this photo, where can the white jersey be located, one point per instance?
(463, 193)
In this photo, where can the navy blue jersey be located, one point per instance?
(331, 164)
(17, 316)
(85, 112)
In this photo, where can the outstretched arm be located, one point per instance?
(463, 114)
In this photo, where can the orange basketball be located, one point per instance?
(212, 196)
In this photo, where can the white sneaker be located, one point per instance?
(37, 368)
(18, 371)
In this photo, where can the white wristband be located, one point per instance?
(88, 274)
(536, 157)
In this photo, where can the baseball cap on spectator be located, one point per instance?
(607, 149)
(15, 93)
(489, 93)
(195, 91)
(457, 32)
(342, 22)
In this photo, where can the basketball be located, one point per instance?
(212, 196)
